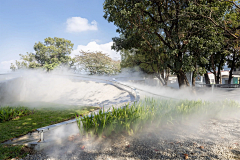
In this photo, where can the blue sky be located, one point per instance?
(22, 23)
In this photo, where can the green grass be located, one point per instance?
(39, 117)
(7, 113)
(9, 151)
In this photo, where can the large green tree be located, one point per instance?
(229, 24)
(155, 23)
(232, 23)
(48, 55)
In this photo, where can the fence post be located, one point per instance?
(41, 136)
(212, 87)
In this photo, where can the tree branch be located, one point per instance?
(215, 23)
(232, 3)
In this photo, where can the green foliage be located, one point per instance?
(48, 55)
(105, 123)
(181, 36)
(42, 116)
(9, 151)
(151, 111)
(97, 63)
(13, 67)
(7, 113)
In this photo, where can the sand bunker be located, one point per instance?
(61, 90)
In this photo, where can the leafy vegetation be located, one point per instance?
(42, 116)
(180, 36)
(9, 151)
(134, 118)
(30, 121)
(7, 113)
(116, 120)
(50, 54)
(97, 63)
(56, 52)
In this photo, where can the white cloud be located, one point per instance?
(78, 24)
(5, 66)
(93, 46)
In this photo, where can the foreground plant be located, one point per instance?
(134, 118)
(104, 123)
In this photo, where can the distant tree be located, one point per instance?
(48, 55)
(13, 67)
(97, 63)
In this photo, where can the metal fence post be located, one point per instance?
(212, 87)
(41, 136)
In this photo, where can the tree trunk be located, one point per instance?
(160, 79)
(214, 69)
(207, 81)
(232, 68)
(165, 76)
(215, 75)
(193, 82)
(194, 75)
(218, 79)
(220, 82)
(182, 79)
(218, 76)
(230, 76)
(193, 79)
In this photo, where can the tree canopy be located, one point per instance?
(182, 36)
(97, 63)
(48, 55)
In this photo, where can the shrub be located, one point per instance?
(7, 113)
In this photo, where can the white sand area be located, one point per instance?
(61, 90)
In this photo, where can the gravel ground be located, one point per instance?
(211, 139)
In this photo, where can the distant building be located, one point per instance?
(224, 78)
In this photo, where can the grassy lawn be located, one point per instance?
(41, 117)
(9, 151)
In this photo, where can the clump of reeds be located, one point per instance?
(135, 117)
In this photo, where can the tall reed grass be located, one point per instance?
(134, 118)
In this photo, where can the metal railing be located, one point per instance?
(127, 88)
(221, 85)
